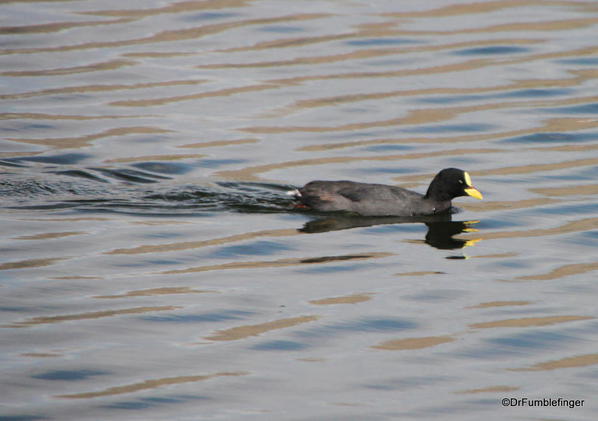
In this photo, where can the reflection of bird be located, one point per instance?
(441, 228)
(380, 200)
(440, 234)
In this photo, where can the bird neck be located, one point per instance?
(436, 194)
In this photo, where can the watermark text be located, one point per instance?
(543, 402)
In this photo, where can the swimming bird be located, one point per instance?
(383, 200)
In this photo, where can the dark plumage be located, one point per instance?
(383, 200)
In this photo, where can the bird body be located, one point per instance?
(384, 200)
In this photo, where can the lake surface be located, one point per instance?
(152, 267)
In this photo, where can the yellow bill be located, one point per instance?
(471, 190)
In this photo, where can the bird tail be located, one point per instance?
(294, 193)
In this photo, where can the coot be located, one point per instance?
(384, 200)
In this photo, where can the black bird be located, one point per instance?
(384, 200)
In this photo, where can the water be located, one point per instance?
(152, 267)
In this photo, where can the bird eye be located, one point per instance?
(461, 181)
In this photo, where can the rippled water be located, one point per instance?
(152, 267)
